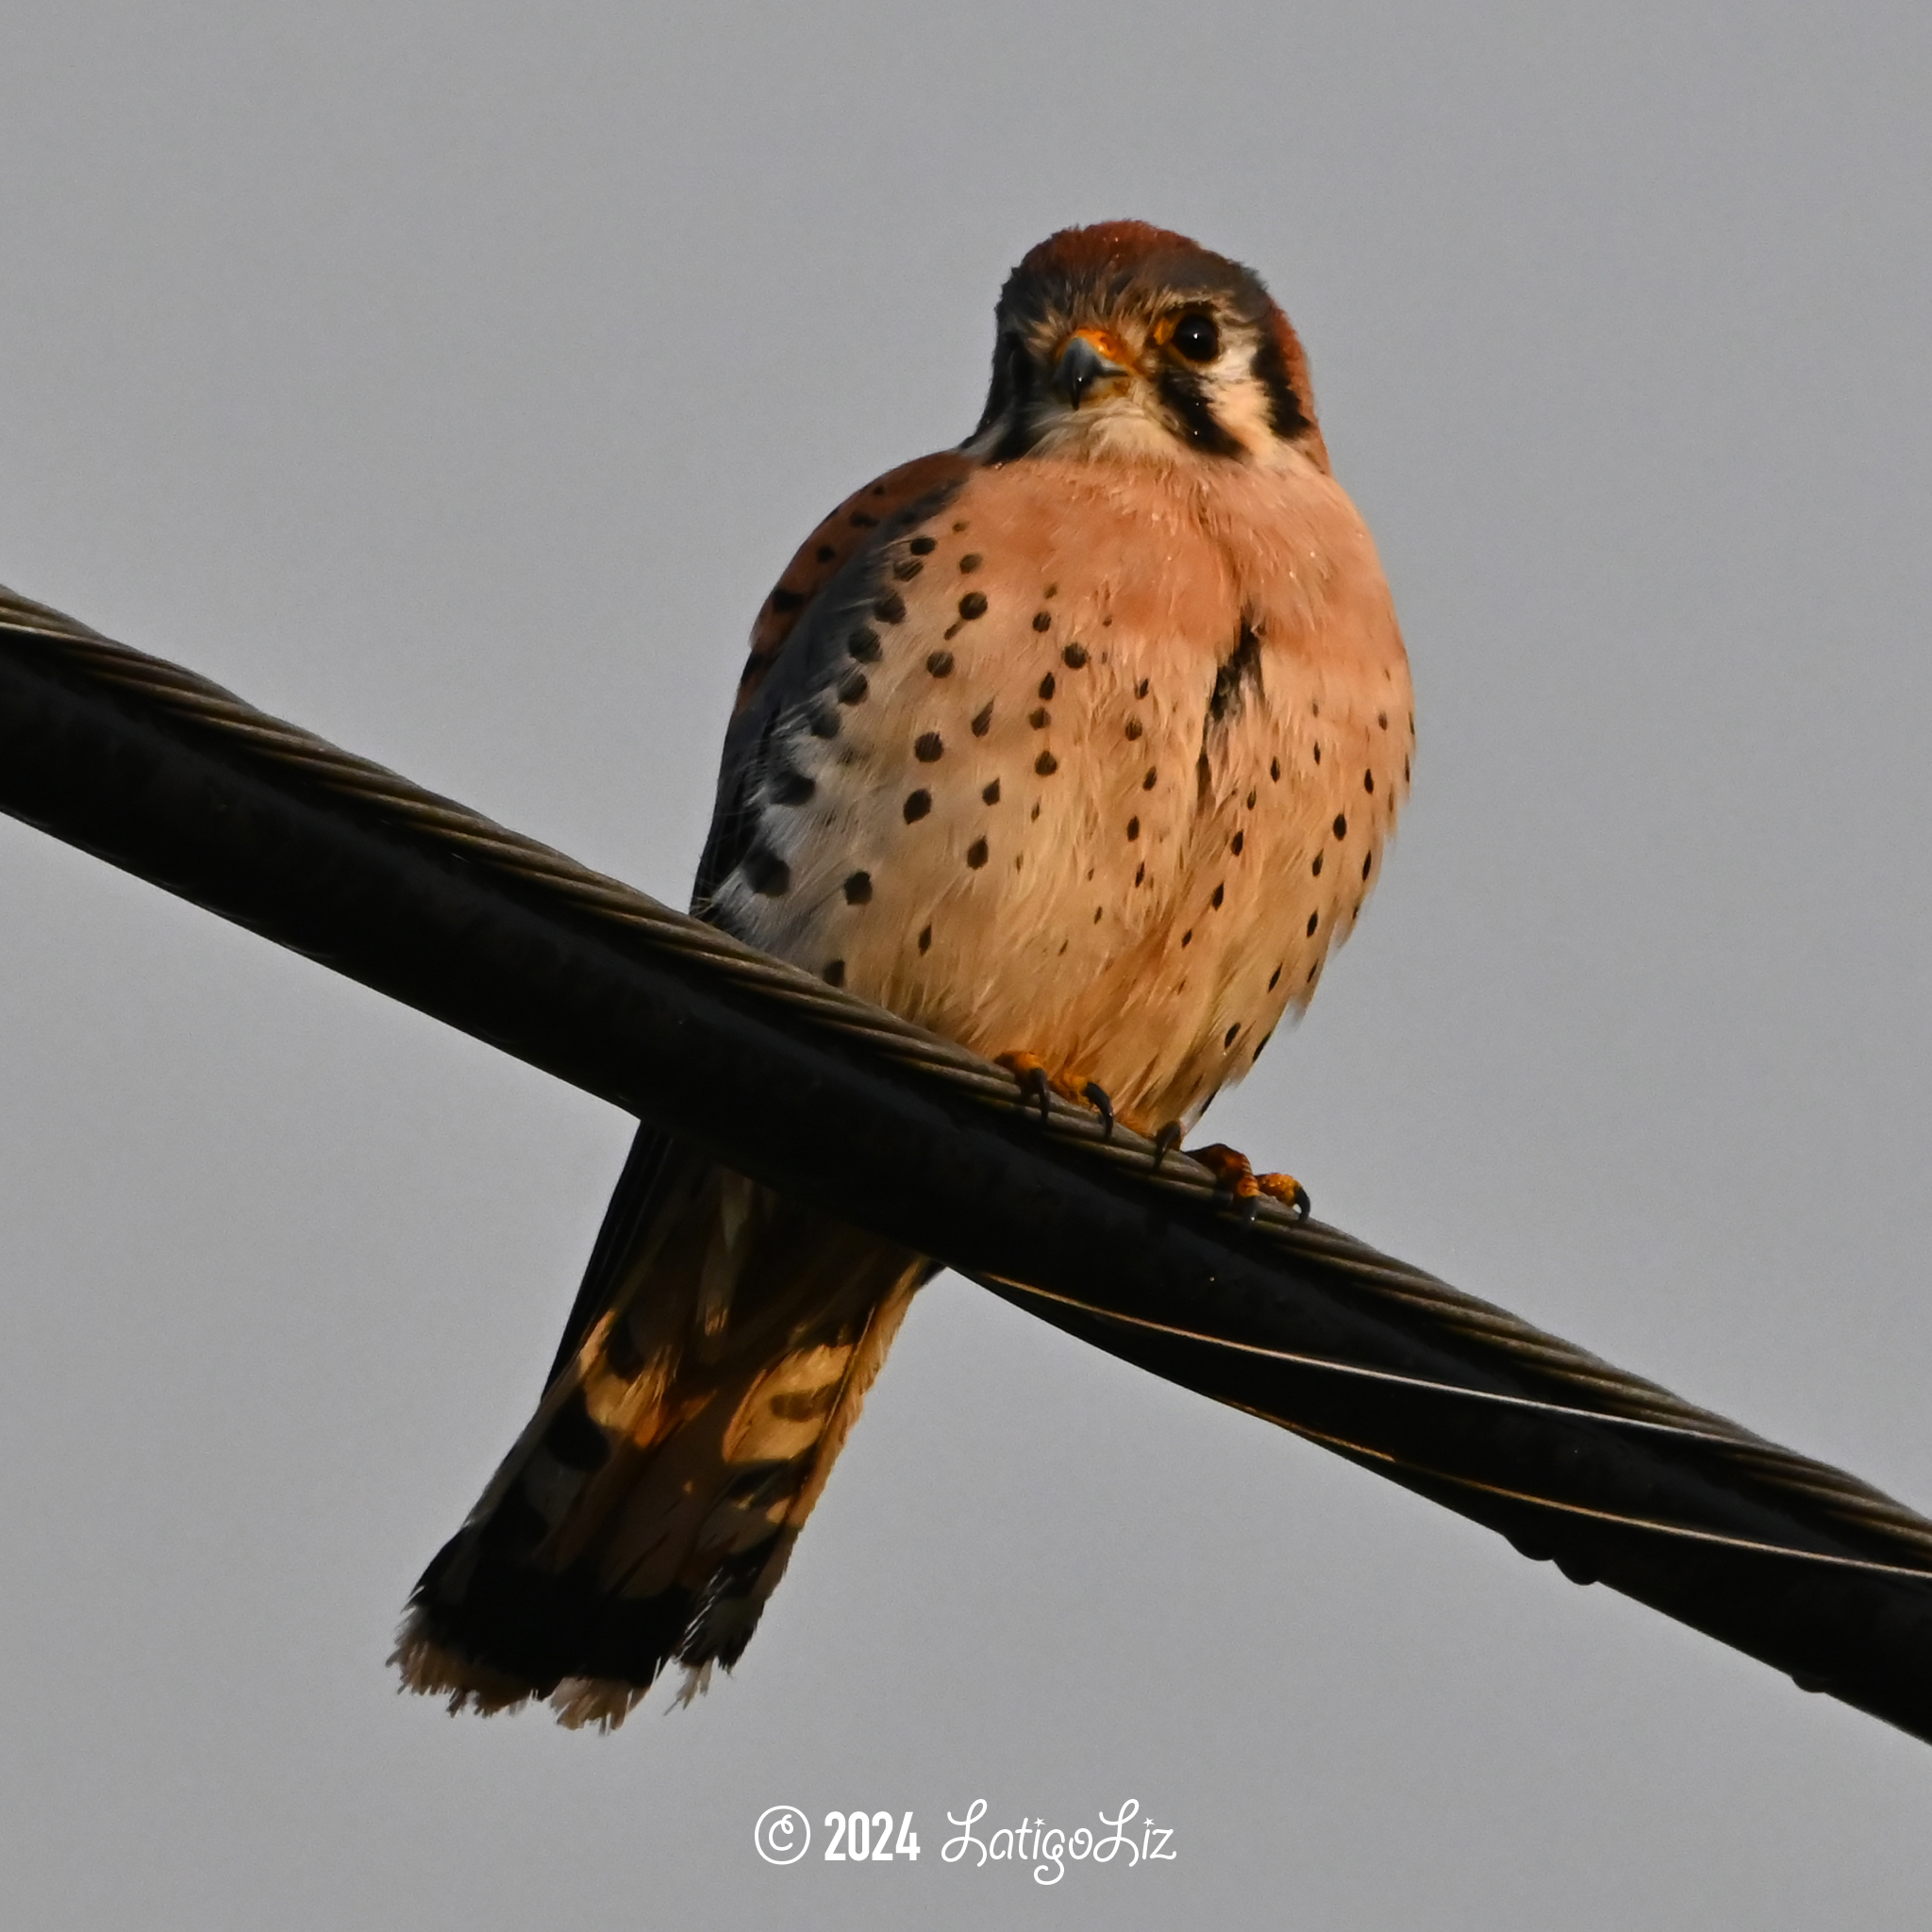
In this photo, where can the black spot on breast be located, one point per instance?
(890, 609)
(925, 939)
(860, 520)
(1187, 936)
(982, 720)
(1046, 686)
(824, 553)
(906, 568)
(1141, 689)
(1073, 655)
(1096, 915)
(864, 645)
(1134, 727)
(823, 721)
(1147, 783)
(1405, 771)
(1368, 781)
(971, 562)
(973, 605)
(852, 688)
(1316, 868)
(835, 973)
(1341, 825)
(1216, 896)
(923, 546)
(1040, 719)
(784, 600)
(1251, 801)
(976, 854)
(786, 785)
(1046, 764)
(1274, 979)
(1240, 669)
(1043, 620)
(941, 663)
(765, 873)
(1366, 863)
(1382, 719)
(927, 747)
(1235, 843)
(1314, 920)
(1275, 770)
(858, 889)
(992, 794)
(917, 805)
(1139, 872)
(1232, 1034)
(1318, 752)
(1133, 830)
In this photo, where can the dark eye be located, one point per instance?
(1196, 338)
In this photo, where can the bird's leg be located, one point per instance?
(1231, 1169)
(1030, 1071)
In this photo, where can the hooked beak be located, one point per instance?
(1087, 359)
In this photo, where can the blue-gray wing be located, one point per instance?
(803, 643)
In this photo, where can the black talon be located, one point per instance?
(1033, 1087)
(1244, 1204)
(1096, 1096)
(1165, 1141)
(1301, 1207)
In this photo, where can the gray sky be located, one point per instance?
(454, 379)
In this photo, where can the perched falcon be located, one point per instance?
(1080, 744)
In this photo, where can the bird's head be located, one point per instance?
(1124, 339)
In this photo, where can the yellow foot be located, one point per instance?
(1230, 1167)
(1035, 1083)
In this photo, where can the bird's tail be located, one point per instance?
(719, 1354)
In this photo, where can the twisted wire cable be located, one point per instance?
(1456, 1364)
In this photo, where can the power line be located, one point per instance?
(809, 1089)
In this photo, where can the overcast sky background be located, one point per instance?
(454, 379)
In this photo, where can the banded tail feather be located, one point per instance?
(717, 1356)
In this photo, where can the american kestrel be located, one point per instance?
(1079, 744)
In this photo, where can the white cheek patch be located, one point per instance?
(1242, 408)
